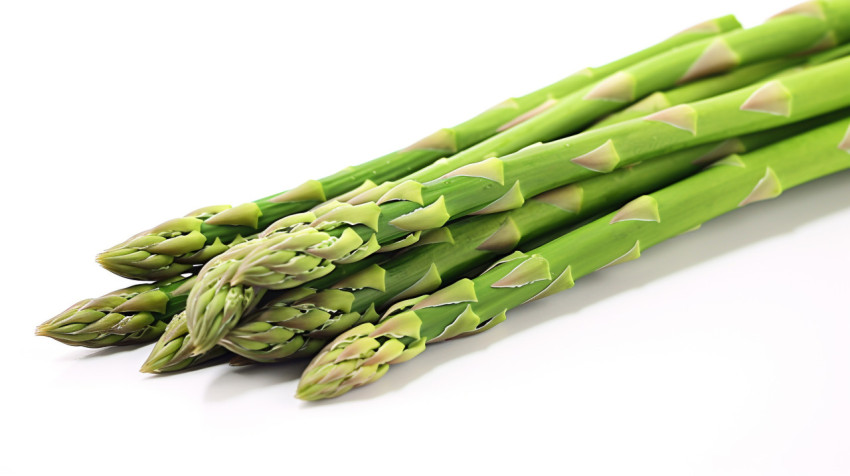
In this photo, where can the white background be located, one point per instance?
(724, 351)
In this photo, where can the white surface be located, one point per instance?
(724, 351)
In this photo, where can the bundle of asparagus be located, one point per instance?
(364, 268)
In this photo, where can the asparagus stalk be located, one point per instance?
(363, 354)
(810, 27)
(713, 86)
(133, 315)
(144, 320)
(177, 245)
(297, 323)
(304, 247)
(300, 321)
(697, 90)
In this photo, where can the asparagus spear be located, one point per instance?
(304, 247)
(177, 245)
(715, 85)
(290, 327)
(144, 321)
(697, 90)
(300, 321)
(363, 354)
(810, 27)
(133, 315)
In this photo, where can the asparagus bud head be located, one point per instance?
(176, 246)
(127, 316)
(361, 356)
(173, 351)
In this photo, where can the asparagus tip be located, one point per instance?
(147, 368)
(306, 395)
(106, 260)
(155, 361)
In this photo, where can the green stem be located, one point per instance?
(364, 354)
(717, 85)
(176, 245)
(502, 184)
(299, 249)
(298, 322)
(820, 25)
(699, 90)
